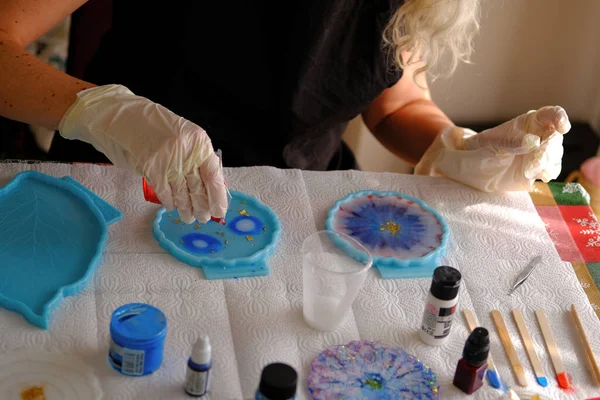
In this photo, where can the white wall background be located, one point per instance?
(529, 53)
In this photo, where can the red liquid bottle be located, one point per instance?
(470, 370)
(150, 195)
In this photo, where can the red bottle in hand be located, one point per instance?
(470, 370)
(150, 195)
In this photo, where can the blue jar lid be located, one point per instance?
(137, 323)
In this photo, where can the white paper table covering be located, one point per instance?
(252, 322)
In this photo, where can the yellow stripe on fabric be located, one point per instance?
(586, 281)
(542, 195)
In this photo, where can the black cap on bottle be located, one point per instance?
(278, 382)
(445, 283)
(477, 347)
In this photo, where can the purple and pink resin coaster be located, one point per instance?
(406, 237)
(370, 370)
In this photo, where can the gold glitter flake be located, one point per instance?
(249, 238)
(33, 393)
(242, 202)
(227, 242)
(197, 226)
(390, 226)
(244, 213)
(222, 234)
(176, 220)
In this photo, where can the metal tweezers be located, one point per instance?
(525, 274)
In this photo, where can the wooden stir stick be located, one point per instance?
(593, 363)
(559, 367)
(533, 358)
(509, 348)
(492, 374)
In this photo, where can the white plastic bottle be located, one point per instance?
(197, 378)
(441, 306)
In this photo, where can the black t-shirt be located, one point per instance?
(272, 83)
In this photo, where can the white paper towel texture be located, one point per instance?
(252, 322)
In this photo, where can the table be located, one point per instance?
(252, 322)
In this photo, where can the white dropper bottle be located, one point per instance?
(198, 368)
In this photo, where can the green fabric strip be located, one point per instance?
(569, 194)
(594, 269)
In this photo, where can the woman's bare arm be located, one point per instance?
(32, 91)
(404, 118)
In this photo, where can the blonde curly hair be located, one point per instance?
(433, 32)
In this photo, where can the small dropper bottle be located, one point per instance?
(198, 368)
(470, 370)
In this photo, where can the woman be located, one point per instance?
(271, 86)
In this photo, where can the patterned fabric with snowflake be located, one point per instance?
(574, 187)
(592, 228)
(574, 229)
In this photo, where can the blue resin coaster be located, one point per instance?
(370, 370)
(238, 249)
(52, 234)
(405, 237)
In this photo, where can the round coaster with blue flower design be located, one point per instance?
(370, 370)
(238, 249)
(406, 237)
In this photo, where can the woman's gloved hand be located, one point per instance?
(173, 154)
(509, 157)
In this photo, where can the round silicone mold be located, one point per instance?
(240, 248)
(406, 237)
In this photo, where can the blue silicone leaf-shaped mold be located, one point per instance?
(406, 237)
(238, 249)
(51, 241)
(109, 213)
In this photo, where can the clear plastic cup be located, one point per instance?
(331, 277)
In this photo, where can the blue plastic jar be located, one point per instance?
(137, 333)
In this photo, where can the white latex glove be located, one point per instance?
(173, 154)
(509, 157)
